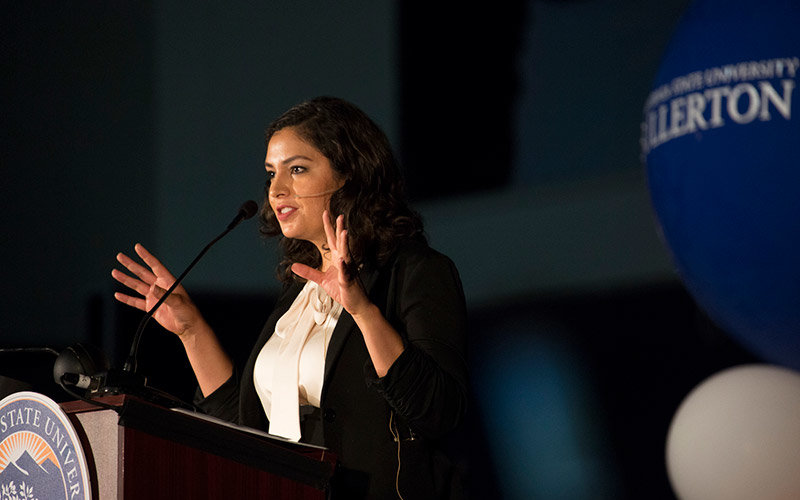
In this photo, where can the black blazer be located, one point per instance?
(424, 393)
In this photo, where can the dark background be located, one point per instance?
(518, 129)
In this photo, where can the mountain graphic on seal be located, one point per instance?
(45, 479)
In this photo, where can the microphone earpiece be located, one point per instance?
(330, 191)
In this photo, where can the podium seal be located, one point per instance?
(40, 454)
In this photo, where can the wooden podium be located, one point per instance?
(146, 451)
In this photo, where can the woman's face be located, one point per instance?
(301, 186)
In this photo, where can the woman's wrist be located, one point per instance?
(195, 331)
(365, 312)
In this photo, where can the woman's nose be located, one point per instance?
(278, 186)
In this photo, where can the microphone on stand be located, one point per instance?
(127, 381)
(246, 211)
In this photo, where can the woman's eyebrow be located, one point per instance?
(289, 160)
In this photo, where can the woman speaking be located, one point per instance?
(364, 352)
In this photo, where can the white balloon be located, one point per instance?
(737, 436)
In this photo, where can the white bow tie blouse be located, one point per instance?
(289, 370)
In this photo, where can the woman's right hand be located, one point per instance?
(178, 314)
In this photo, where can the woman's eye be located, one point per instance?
(296, 169)
(270, 175)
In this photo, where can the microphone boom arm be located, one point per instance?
(247, 210)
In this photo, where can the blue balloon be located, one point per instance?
(721, 142)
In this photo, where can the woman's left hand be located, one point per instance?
(335, 280)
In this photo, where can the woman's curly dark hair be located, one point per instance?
(376, 213)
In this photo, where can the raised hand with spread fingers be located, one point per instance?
(383, 342)
(178, 314)
(335, 277)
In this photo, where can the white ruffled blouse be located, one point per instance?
(289, 370)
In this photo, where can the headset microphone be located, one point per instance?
(315, 195)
